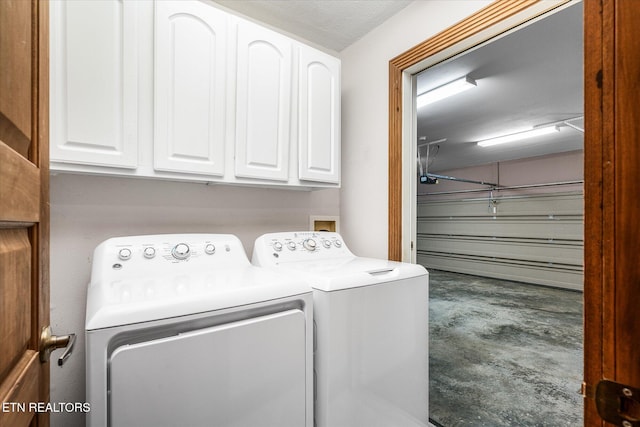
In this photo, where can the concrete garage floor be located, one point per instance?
(503, 353)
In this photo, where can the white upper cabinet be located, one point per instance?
(182, 90)
(94, 83)
(319, 116)
(263, 103)
(190, 84)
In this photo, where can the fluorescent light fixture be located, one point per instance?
(445, 91)
(518, 136)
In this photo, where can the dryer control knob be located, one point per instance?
(149, 252)
(326, 244)
(210, 249)
(338, 244)
(291, 245)
(309, 245)
(181, 251)
(277, 246)
(124, 254)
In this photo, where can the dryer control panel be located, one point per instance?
(154, 255)
(274, 248)
(141, 278)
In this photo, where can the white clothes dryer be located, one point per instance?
(181, 330)
(371, 330)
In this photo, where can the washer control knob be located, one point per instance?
(309, 245)
(210, 249)
(149, 252)
(277, 246)
(326, 244)
(291, 245)
(338, 244)
(124, 254)
(181, 251)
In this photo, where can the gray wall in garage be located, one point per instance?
(528, 232)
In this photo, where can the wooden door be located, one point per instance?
(24, 210)
(612, 199)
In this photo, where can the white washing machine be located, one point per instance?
(371, 330)
(181, 330)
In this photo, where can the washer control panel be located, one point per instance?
(274, 248)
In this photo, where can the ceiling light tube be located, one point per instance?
(518, 136)
(445, 91)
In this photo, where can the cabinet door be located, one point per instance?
(319, 116)
(263, 103)
(190, 84)
(94, 83)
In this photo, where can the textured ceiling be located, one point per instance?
(332, 24)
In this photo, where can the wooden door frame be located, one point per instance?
(612, 276)
(598, 215)
(41, 233)
(598, 19)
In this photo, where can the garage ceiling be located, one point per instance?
(530, 77)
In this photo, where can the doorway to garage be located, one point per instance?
(500, 225)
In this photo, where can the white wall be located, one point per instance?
(365, 116)
(85, 210)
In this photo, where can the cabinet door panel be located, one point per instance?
(319, 118)
(94, 83)
(263, 103)
(190, 88)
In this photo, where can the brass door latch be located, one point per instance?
(49, 342)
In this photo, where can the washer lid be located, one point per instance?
(351, 272)
(142, 299)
